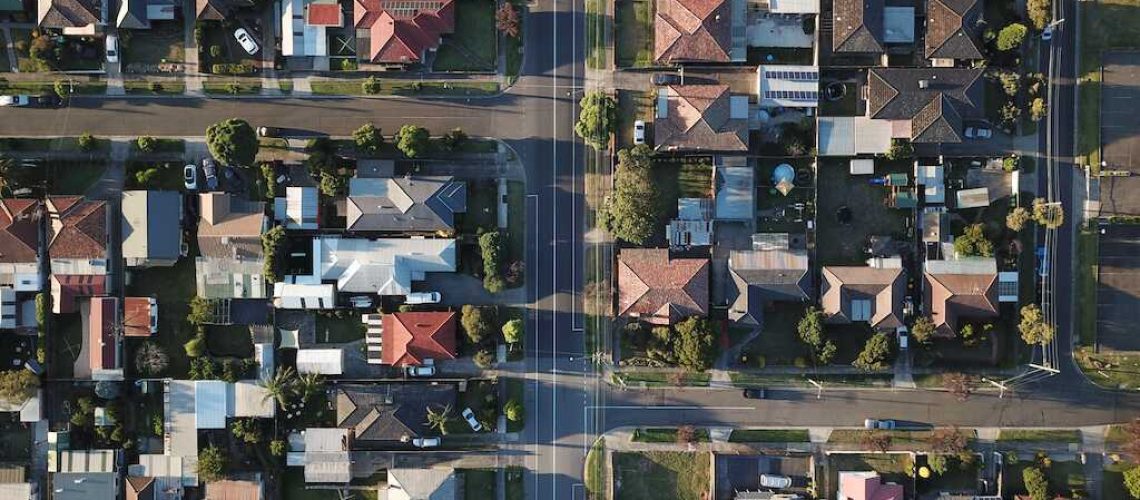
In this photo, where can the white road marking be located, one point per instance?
(672, 408)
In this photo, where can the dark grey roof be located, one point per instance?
(952, 29)
(936, 110)
(763, 276)
(132, 14)
(405, 203)
(390, 412)
(858, 26)
(164, 234)
(68, 13)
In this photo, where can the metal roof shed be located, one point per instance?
(322, 361)
(862, 167)
(973, 198)
(210, 404)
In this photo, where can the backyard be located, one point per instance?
(478, 484)
(633, 26)
(842, 235)
(473, 46)
(338, 328)
(661, 474)
(66, 343)
(174, 287)
(229, 341)
(891, 466)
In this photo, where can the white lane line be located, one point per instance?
(554, 228)
(672, 408)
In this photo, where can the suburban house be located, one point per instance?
(953, 31)
(234, 489)
(870, 294)
(77, 235)
(299, 208)
(417, 338)
(305, 24)
(700, 118)
(138, 14)
(383, 415)
(66, 288)
(655, 288)
(773, 271)
(958, 290)
(104, 342)
(868, 27)
(19, 246)
(868, 486)
(925, 105)
(83, 475)
(412, 204)
(693, 225)
(428, 483)
(229, 240)
(72, 17)
(698, 31)
(400, 32)
(218, 10)
(385, 266)
(152, 228)
(324, 453)
(140, 316)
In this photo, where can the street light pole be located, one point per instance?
(819, 388)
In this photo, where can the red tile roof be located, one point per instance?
(18, 233)
(401, 30)
(952, 297)
(412, 337)
(692, 30)
(656, 289)
(101, 333)
(324, 14)
(65, 288)
(78, 228)
(136, 316)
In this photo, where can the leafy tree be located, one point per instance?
(246, 429)
(151, 359)
(810, 332)
(937, 463)
(371, 85)
(874, 354)
(455, 139)
(484, 359)
(693, 343)
(272, 243)
(212, 463)
(1017, 218)
(958, 384)
(632, 210)
(215, 51)
(900, 148)
(195, 347)
(597, 120)
(922, 330)
(951, 440)
(232, 142)
(491, 248)
(280, 386)
(86, 141)
(145, 177)
(1010, 82)
(332, 185)
(514, 410)
(877, 439)
(1011, 36)
(203, 368)
(1040, 13)
(278, 447)
(475, 324)
(61, 87)
(513, 331)
(413, 140)
(973, 242)
(16, 386)
(230, 371)
(1050, 215)
(1035, 483)
(439, 418)
(308, 385)
(368, 139)
(1010, 163)
(507, 20)
(1037, 109)
(146, 143)
(1132, 481)
(1033, 328)
(199, 311)
(157, 426)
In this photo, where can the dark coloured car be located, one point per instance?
(211, 172)
(666, 79)
(757, 393)
(47, 101)
(268, 132)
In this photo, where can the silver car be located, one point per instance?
(469, 416)
(775, 481)
(246, 41)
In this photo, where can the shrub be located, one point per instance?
(1037, 109)
(62, 88)
(900, 148)
(278, 447)
(693, 343)
(146, 143)
(215, 51)
(195, 347)
(371, 86)
(973, 242)
(597, 119)
(1011, 36)
(212, 463)
(475, 324)
(514, 410)
(413, 140)
(368, 139)
(1010, 82)
(484, 359)
(86, 141)
(874, 354)
(270, 180)
(155, 87)
(491, 248)
(1017, 218)
(347, 65)
(232, 142)
(231, 69)
(43, 304)
(1040, 11)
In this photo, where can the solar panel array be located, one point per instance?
(794, 95)
(802, 76)
(404, 9)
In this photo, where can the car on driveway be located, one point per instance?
(422, 298)
(469, 416)
(419, 371)
(268, 132)
(886, 425)
(14, 100)
(112, 48)
(211, 171)
(666, 79)
(639, 132)
(757, 393)
(246, 41)
(775, 481)
(979, 131)
(429, 442)
(190, 177)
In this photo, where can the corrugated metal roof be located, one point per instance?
(210, 404)
(322, 361)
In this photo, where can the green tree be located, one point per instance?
(693, 343)
(513, 331)
(475, 324)
(810, 331)
(278, 447)
(514, 410)
(1132, 481)
(1037, 109)
(1035, 483)
(246, 429)
(491, 248)
(332, 185)
(368, 139)
(199, 311)
(62, 88)
(1011, 36)
(195, 347)
(232, 142)
(900, 148)
(875, 353)
(272, 244)
(937, 463)
(922, 330)
(16, 386)
(597, 120)
(146, 143)
(1040, 12)
(86, 141)
(484, 359)
(973, 242)
(455, 139)
(212, 463)
(1010, 82)
(1033, 328)
(1050, 215)
(1017, 218)
(631, 212)
(279, 387)
(371, 86)
(270, 180)
(151, 359)
(308, 385)
(439, 418)
(413, 141)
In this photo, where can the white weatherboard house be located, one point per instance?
(384, 266)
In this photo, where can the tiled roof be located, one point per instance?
(763, 276)
(858, 26)
(936, 111)
(952, 28)
(657, 289)
(401, 30)
(19, 235)
(390, 412)
(140, 488)
(882, 289)
(692, 30)
(229, 489)
(324, 14)
(101, 333)
(68, 13)
(424, 203)
(954, 296)
(218, 10)
(699, 117)
(67, 287)
(412, 337)
(136, 316)
(78, 228)
(230, 227)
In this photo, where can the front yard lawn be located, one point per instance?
(482, 396)
(661, 474)
(778, 343)
(633, 26)
(473, 46)
(479, 484)
(1064, 477)
(230, 86)
(1054, 436)
(1116, 370)
(843, 242)
(661, 379)
(333, 329)
(666, 435)
(148, 48)
(74, 177)
(769, 436)
(1111, 24)
(634, 105)
(168, 175)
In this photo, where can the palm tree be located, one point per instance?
(439, 418)
(279, 386)
(309, 384)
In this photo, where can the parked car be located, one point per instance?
(775, 481)
(1047, 33)
(902, 332)
(246, 41)
(469, 416)
(190, 177)
(211, 172)
(757, 393)
(871, 423)
(422, 298)
(112, 48)
(47, 101)
(639, 132)
(153, 315)
(268, 132)
(360, 301)
(430, 442)
(979, 132)
(14, 100)
(666, 79)
(420, 371)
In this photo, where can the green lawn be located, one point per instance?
(1087, 256)
(335, 330)
(479, 484)
(843, 244)
(229, 341)
(74, 177)
(666, 435)
(1116, 370)
(80, 86)
(778, 343)
(1063, 477)
(516, 490)
(169, 175)
(231, 86)
(174, 286)
(661, 474)
(516, 223)
(828, 381)
(482, 208)
(594, 41)
(633, 27)
(69, 144)
(473, 46)
(914, 439)
(595, 474)
(293, 487)
(162, 43)
(163, 145)
(769, 436)
(891, 466)
(169, 87)
(408, 87)
(659, 379)
(1057, 436)
(67, 340)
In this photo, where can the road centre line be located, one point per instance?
(674, 408)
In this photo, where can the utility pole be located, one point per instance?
(819, 388)
(999, 384)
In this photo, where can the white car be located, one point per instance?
(14, 100)
(419, 371)
(469, 416)
(886, 425)
(431, 442)
(112, 48)
(903, 340)
(639, 132)
(190, 177)
(775, 481)
(246, 41)
(360, 301)
(422, 298)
